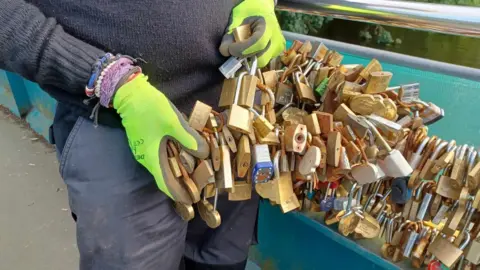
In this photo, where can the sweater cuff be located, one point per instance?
(67, 63)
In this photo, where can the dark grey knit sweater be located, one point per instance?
(56, 42)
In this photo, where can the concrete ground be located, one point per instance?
(36, 229)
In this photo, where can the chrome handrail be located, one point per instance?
(457, 20)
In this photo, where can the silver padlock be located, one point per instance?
(394, 164)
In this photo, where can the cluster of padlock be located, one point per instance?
(310, 134)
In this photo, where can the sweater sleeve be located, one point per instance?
(40, 50)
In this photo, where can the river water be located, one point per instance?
(458, 50)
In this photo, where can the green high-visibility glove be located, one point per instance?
(150, 120)
(267, 40)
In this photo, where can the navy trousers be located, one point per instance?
(124, 221)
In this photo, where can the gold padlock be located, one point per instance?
(228, 93)
(313, 126)
(295, 138)
(318, 52)
(378, 82)
(262, 126)
(239, 117)
(373, 66)
(284, 94)
(199, 116)
(270, 79)
(244, 156)
(248, 87)
(304, 91)
(351, 71)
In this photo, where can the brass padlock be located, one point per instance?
(208, 212)
(285, 196)
(318, 52)
(373, 66)
(295, 138)
(304, 91)
(458, 170)
(426, 172)
(342, 112)
(242, 32)
(224, 175)
(239, 117)
(334, 144)
(203, 174)
(378, 82)
(244, 156)
(185, 211)
(199, 116)
(313, 126)
(248, 87)
(335, 59)
(306, 47)
(288, 56)
(446, 252)
(284, 94)
(174, 167)
(227, 95)
(262, 126)
(229, 139)
(270, 79)
(326, 121)
(310, 161)
(351, 71)
(187, 160)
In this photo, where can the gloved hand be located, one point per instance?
(267, 40)
(150, 120)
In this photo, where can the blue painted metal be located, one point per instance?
(295, 241)
(26, 99)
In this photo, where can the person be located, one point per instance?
(111, 120)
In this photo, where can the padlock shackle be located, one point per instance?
(237, 88)
(276, 165)
(377, 134)
(269, 91)
(350, 197)
(419, 189)
(371, 137)
(437, 150)
(288, 105)
(461, 152)
(253, 68)
(471, 160)
(451, 145)
(254, 112)
(470, 152)
(422, 145)
(310, 65)
(465, 241)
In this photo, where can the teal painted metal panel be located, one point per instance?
(27, 100)
(40, 117)
(6, 94)
(294, 241)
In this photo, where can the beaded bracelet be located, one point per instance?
(96, 70)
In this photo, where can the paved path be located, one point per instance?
(36, 230)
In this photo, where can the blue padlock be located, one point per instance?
(263, 167)
(400, 191)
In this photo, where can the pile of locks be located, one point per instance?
(311, 134)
